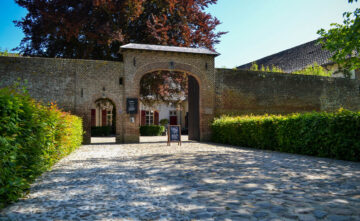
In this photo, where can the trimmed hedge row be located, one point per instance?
(32, 138)
(333, 135)
(101, 131)
(151, 130)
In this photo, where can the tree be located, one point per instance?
(163, 86)
(344, 41)
(94, 29)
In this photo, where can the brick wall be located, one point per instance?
(244, 92)
(75, 85)
(47, 79)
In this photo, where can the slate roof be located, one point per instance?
(296, 58)
(147, 47)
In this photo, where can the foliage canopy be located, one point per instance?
(6, 53)
(94, 29)
(255, 67)
(163, 86)
(344, 41)
(314, 69)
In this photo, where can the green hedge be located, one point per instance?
(101, 131)
(333, 135)
(32, 138)
(151, 130)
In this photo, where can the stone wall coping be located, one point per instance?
(59, 59)
(164, 48)
(269, 74)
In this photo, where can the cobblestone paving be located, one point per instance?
(196, 181)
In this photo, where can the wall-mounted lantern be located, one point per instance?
(171, 65)
(103, 94)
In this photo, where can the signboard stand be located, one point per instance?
(174, 134)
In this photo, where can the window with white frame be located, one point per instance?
(149, 117)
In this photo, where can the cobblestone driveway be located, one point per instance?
(196, 181)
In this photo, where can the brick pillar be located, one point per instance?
(119, 126)
(87, 127)
(131, 121)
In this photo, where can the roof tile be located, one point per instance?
(296, 58)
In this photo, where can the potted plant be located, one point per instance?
(164, 122)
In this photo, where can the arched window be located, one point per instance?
(103, 114)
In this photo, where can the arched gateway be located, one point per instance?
(140, 59)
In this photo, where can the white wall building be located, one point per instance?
(175, 115)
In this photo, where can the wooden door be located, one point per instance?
(173, 120)
(194, 115)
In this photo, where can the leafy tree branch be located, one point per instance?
(344, 41)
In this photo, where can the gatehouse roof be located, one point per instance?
(147, 47)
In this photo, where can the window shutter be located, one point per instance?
(103, 118)
(143, 114)
(156, 118)
(93, 117)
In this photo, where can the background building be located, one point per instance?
(176, 115)
(298, 58)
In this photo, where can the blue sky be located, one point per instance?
(10, 36)
(257, 28)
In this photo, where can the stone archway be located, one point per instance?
(200, 66)
(103, 117)
(184, 109)
(93, 106)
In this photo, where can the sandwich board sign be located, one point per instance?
(174, 134)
